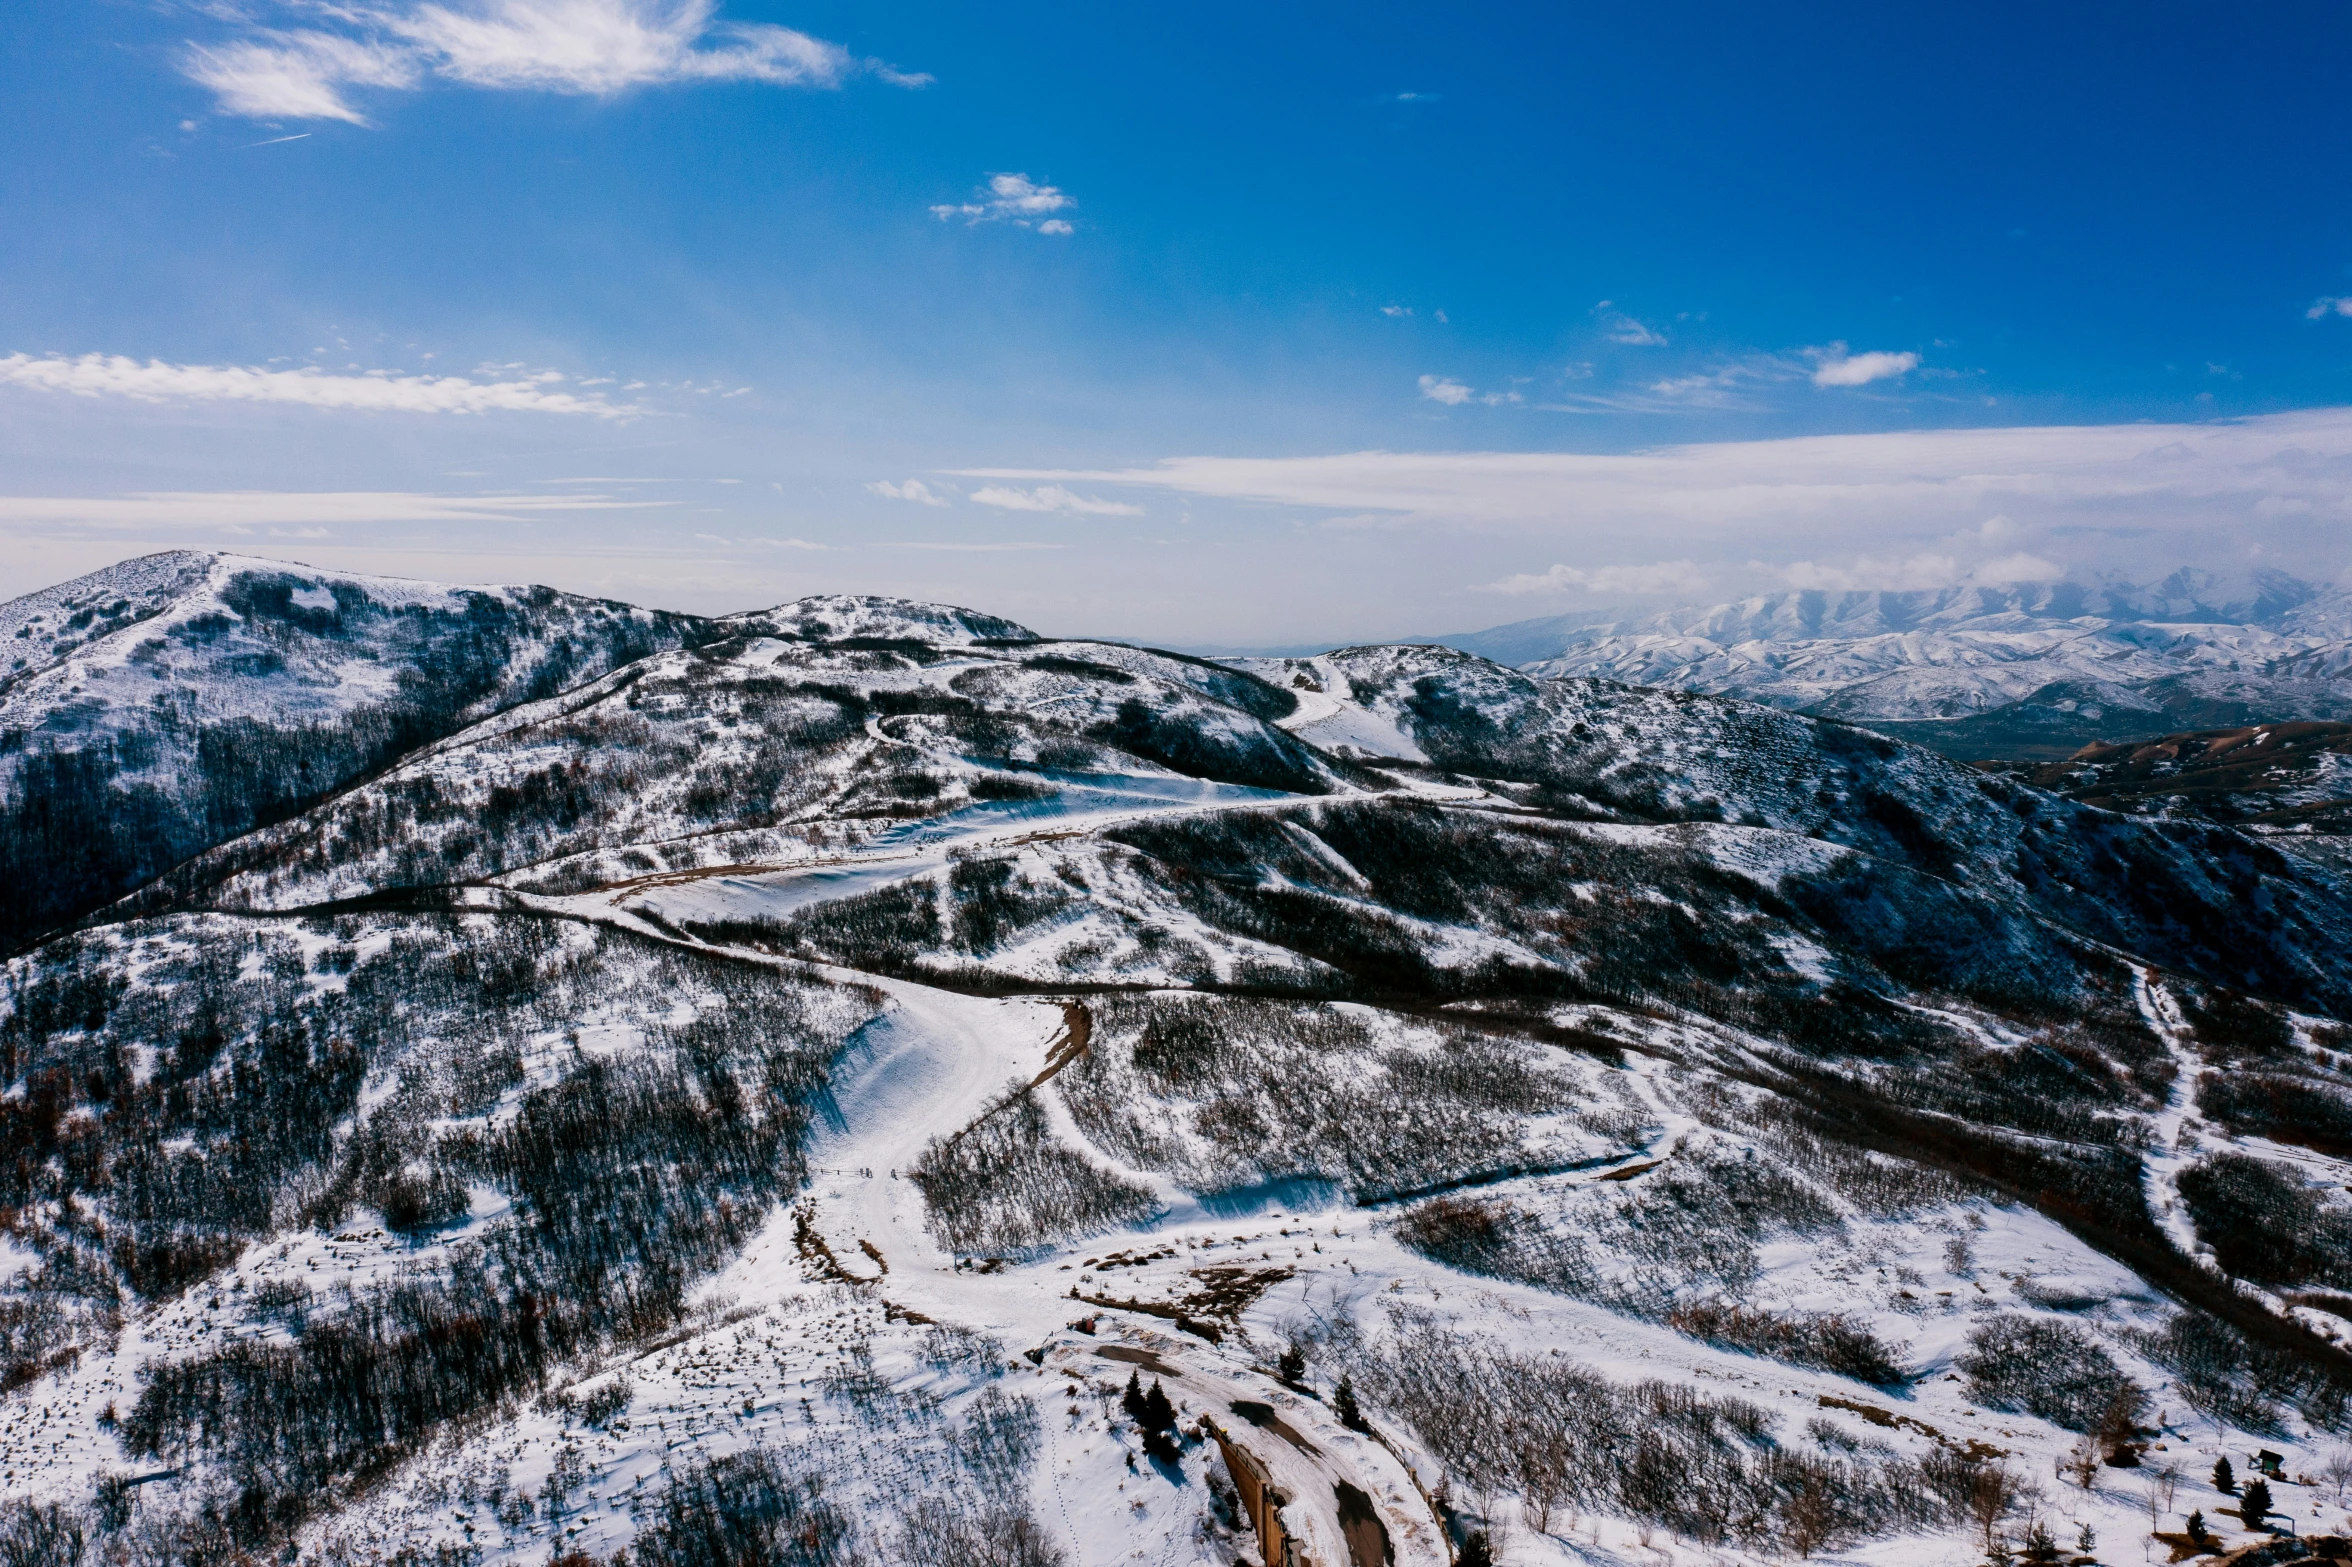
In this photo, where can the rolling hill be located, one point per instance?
(864, 1082)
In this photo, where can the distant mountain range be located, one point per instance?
(2032, 672)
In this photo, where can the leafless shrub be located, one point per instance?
(1005, 1183)
(1231, 1091)
(997, 1441)
(2047, 1368)
(2228, 1376)
(1660, 1453)
(745, 1507)
(1830, 1341)
(935, 1529)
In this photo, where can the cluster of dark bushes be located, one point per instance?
(991, 900)
(2303, 1108)
(1828, 1341)
(1659, 1248)
(2235, 1029)
(982, 902)
(2265, 1224)
(1272, 1090)
(2242, 1380)
(2045, 1367)
(703, 749)
(743, 1508)
(1876, 1185)
(1199, 745)
(1005, 1183)
(1563, 1437)
(631, 1179)
(1502, 1240)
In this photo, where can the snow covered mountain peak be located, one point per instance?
(838, 617)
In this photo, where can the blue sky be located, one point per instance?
(1089, 316)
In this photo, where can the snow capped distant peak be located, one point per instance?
(2006, 660)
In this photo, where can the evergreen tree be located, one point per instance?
(1132, 1400)
(1477, 1551)
(2224, 1480)
(1344, 1405)
(1292, 1365)
(1158, 1414)
(2254, 1503)
(2197, 1525)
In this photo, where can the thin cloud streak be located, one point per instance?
(1666, 576)
(913, 490)
(2198, 481)
(1052, 497)
(154, 381)
(238, 509)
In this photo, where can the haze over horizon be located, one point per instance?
(1239, 328)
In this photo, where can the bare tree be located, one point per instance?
(1544, 1464)
(2337, 1471)
(1993, 1492)
(2168, 1475)
(2081, 1463)
(1812, 1517)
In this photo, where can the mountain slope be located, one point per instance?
(190, 697)
(763, 1102)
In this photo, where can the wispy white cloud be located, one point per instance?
(1839, 368)
(596, 47)
(1666, 576)
(1052, 497)
(2329, 306)
(913, 490)
(761, 543)
(2070, 490)
(235, 511)
(299, 75)
(1453, 394)
(153, 381)
(1619, 327)
(1734, 384)
(1014, 199)
(1396, 310)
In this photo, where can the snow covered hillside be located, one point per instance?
(170, 702)
(2014, 672)
(861, 1082)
